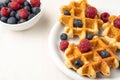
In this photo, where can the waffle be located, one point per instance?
(111, 33)
(92, 61)
(77, 11)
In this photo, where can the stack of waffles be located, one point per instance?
(90, 62)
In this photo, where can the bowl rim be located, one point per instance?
(16, 25)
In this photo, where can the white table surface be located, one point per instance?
(24, 55)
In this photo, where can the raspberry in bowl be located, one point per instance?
(20, 14)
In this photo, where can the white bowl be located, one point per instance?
(25, 25)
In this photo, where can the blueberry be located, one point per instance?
(17, 16)
(21, 6)
(7, 1)
(89, 36)
(8, 5)
(4, 19)
(35, 10)
(63, 36)
(4, 4)
(67, 12)
(78, 63)
(27, 8)
(77, 23)
(12, 20)
(26, 3)
(13, 13)
(21, 20)
(1, 5)
(104, 54)
(31, 16)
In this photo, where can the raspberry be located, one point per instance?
(104, 16)
(84, 45)
(64, 45)
(117, 23)
(5, 11)
(91, 12)
(35, 3)
(14, 5)
(19, 1)
(23, 13)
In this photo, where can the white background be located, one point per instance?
(25, 56)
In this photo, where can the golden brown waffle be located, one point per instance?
(111, 33)
(92, 61)
(77, 11)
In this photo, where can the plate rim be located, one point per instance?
(56, 59)
(58, 62)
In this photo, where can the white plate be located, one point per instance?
(57, 55)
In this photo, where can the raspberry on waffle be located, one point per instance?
(75, 11)
(99, 59)
(111, 33)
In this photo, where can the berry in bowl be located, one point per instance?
(19, 14)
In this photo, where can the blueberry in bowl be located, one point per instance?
(20, 14)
